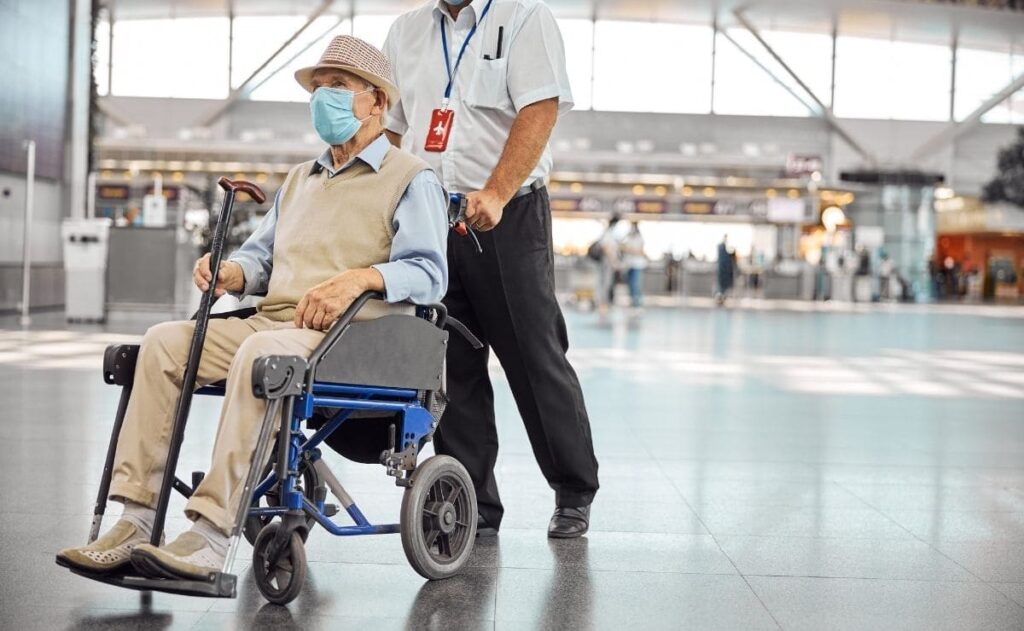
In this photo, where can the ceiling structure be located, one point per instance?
(900, 19)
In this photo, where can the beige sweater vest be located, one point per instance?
(326, 226)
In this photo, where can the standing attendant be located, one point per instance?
(482, 83)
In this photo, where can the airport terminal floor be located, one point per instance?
(761, 468)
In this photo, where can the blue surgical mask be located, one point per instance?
(332, 114)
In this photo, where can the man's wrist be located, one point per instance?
(239, 285)
(500, 192)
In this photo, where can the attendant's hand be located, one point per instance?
(324, 303)
(229, 278)
(484, 209)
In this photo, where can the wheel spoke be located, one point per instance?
(281, 577)
(437, 491)
(431, 538)
(446, 545)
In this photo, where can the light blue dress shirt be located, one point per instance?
(417, 270)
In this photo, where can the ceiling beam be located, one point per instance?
(952, 131)
(236, 94)
(826, 111)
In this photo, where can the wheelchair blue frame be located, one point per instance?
(417, 424)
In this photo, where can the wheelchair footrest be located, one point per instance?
(219, 585)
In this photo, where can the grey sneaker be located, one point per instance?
(108, 554)
(188, 557)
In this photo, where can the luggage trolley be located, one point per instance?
(382, 409)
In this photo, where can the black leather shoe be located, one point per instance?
(483, 529)
(569, 523)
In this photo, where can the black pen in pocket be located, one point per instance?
(501, 34)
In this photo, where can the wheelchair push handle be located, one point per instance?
(250, 189)
(457, 203)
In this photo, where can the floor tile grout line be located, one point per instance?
(933, 547)
(719, 545)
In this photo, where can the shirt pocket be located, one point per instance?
(490, 84)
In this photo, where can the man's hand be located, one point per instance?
(324, 303)
(484, 209)
(229, 278)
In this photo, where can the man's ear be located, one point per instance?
(380, 102)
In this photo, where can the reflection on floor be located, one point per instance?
(856, 469)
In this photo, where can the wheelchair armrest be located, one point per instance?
(339, 327)
(119, 364)
(277, 376)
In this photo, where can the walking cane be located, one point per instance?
(195, 352)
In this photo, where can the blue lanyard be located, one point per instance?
(458, 60)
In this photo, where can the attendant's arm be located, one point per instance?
(527, 139)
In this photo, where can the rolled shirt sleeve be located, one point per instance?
(536, 62)
(417, 270)
(256, 256)
(394, 119)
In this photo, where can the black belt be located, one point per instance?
(531, 188)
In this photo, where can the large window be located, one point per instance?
(810, 57)
(255, 39)
(645, 67)
(182, 58)
(282, 86)
(742, 86)
(980, 74)
(878, 78)
(578, 36)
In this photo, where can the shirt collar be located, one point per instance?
(441, 8)
(372, 155)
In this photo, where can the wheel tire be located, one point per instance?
(438, 518)
(310, 480)
(281, 582)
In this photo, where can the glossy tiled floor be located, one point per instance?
(838, 469)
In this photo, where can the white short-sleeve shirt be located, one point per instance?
(486, 93)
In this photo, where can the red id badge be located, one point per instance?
(440, 129)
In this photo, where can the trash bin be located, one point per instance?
(85, 268)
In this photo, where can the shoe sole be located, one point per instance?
(575, 535)
(113, 569)
(486, 533)
(151, 566)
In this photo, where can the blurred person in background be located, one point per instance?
(726, 270)
(634, 262)
(605, 251)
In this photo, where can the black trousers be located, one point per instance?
(506, 296)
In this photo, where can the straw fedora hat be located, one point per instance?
(358, 57)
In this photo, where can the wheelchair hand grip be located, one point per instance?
(250, 189)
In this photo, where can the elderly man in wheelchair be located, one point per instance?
(353, 241)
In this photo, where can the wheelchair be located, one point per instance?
(372, 390)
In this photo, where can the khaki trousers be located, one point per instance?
(231, 347)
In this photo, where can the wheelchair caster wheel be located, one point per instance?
(279, 573)
(439, 516)
(254, 525)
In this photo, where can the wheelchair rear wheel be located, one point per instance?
(438, 520)
(310, 481)
(279, 576)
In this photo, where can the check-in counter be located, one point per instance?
(789, 280)
(699, 278)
